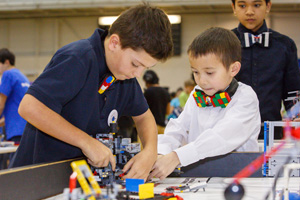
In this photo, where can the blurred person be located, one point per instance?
(157, 98)
(13, 87)
(184, 95)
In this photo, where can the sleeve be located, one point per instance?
(61, 80)
(240, 123)
(292, 72)
(176, 131)
(6, 84)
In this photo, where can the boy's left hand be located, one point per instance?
(164, 166)
(140, 165)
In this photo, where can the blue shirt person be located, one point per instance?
(13, 87)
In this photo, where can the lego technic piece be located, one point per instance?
(123, 150)
(287, 170)
(188, 187)
(294, 111)
(273, 163)
(83, 172)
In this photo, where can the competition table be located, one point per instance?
(7, 147)
(47, 181)
(255, 188)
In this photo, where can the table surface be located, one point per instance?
(255, 188)
(4, 150)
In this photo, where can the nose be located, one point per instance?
(249, 10)
(202, 81)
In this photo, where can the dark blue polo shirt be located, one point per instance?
(69, 86)
(272, 72)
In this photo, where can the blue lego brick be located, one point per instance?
(132, 185)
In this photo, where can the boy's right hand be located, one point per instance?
(98, 155)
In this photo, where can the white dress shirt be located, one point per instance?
(199, 133)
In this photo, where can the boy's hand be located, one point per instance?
(297, 119)
(98, 155)
(140, 165)
(164, 166)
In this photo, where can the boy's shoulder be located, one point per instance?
(246, 92)
(279, 37)
(81, 47)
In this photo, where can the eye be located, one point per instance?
(195, 72)
(242, 5)
(210, 73)
(257, 5)
(134, 65)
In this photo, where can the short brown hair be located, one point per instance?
(5, 54)
(219, 41)
(145, 27)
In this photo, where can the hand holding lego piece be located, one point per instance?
(164, 165)
(140, 165)
(98, 155)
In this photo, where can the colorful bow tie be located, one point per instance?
(262, 39)
(218, 100)
(108, 81)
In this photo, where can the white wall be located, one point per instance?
(34, 41)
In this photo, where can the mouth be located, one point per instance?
(250, 20)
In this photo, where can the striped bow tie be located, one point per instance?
(262, 39)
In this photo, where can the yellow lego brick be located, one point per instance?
(172, 198)
(222, 95)
(146, 191)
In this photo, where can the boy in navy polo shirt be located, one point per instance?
(269, 59)
(90, 83)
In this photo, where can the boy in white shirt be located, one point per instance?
(210, 126)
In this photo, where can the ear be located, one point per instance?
(235, 68)
(269, 5)
(6, 62)
(233, 9)
(114, 42)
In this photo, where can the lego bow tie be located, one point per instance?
(220, 99)
(108, 81)
(262, 39)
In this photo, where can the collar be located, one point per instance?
(220, 99)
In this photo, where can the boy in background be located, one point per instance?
(13, 87)
(158, 99)
(221, 114)
(184, 95)
(269, 59)
(90, 83)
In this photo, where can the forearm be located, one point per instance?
(2, 121)
(2, 103)
(147, 130)
(48, 121)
